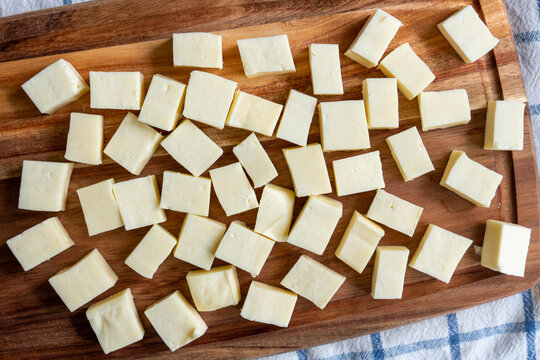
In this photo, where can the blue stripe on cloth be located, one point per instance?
(527, 37)
(431, 344)
(376, 344)
(68, 2)
(534, 109)
(453, 336)
(538, 4)
(530, 326)
(301, 354)
(492, 330)
(362, 355)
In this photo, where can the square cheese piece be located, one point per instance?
(373, 39)
(389, 272)
(470, 179)
(325, 69)
(244, 248)
(504, 125)
(343, 125)
(313, 281)
(316, 223)
(55, 86)
(44, 185)
(214, 289)
(86, 279)
(266, 55)
(163, 102)
(198, 240)
(233, 189)
(254, 113)
(358, 173)
(468, 35)
(85, 138)
(275, 212)
(442, 109)
(410, 154)
(296, 118)
(133, 144)
(40, 243)
(394, 212)
(505, 247)
(176, 321)
(381, 101)
(99, 207)
(197, 49)
(138, 201)
(439, 253)
(359, 241)
(122, 90)
(151, 251)
(255, 160)
(412, 74)
(308, 170)
(185, 193)
(115, 321)
(208, 98)
(268, 304)
(192, 148)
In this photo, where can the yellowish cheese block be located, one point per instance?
(504, 125)
(151, 251)
(381, 101)
(389, 272)
(296, 118)
(255, 161)
(85, 138)
(185, 193)
(442, 109)
(343, 125)
(233, 189)
(358, 173)
(410, 154)
(86, 279)
(40, 243)
(325, 69)
(253, 113)
(214, 289)
(275, 212)
(439, 253)
(133, 144)
(55, 86)
(266, 55)
(470, 179)
(313, 281)
(268, 304)
(197, 49)
(308, 170)
(359, 241)
(122, 90)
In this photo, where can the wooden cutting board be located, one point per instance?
(34, 323)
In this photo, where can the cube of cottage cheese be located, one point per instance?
(296, 118)
(389, 272)
(214, 289)
(255, 160)
(197, 49)
(358, 173)
(85, 138)
(185, 193)
(442, 109)
(343, 125)
(275, 212)
(504, 125)
(410, 154)
(254, 113)
(325, 69)
(233, 189)
(381, 101)
(266, 55)
(308, 170)
(122, 90)
(268, 304)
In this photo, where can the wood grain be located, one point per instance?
(34, 323)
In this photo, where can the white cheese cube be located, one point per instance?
(151, 251)
(115, 321)
(133, 144)
(275, 212)
(40, 243)
(412, 74)
(343, 125)
(313, 281)
(85, 138)
(185, 193)
(122, 90)
(373, 39)
(44, 185)
(266, 55)
(325, 69)
(268, 304)
(316, 223)
(197, 49)
(439, 253)
(296, 118)
(138, 201)
(214, 289)
(253, 113)
(358, 173)
(504, 125)
(176, 321)
(410, 154)
(55, 86)
(208, 98)
(505, 247)
(99, 207)
(389, 272)
(470, 180)
(394, 212)
(192, 148)
(233, 189)
(381, 101)
(255, 160)
(442, 109)
(163, 102)
(244, 248)
(198, 240)
(359, 242)
(308, 170)
(468, 35)
(86, 279)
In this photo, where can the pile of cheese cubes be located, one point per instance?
(213, 100)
